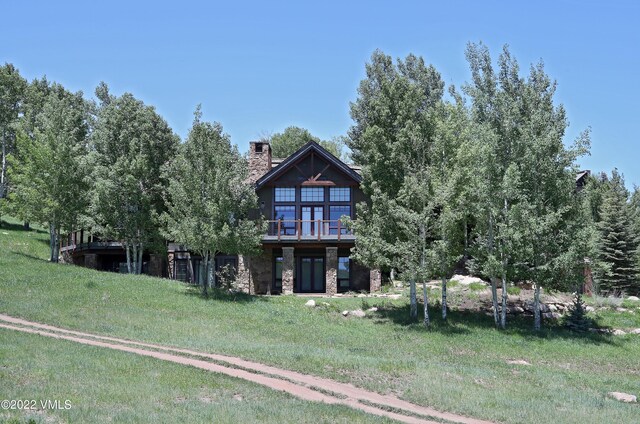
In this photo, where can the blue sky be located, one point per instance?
(258, 67)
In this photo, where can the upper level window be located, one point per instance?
(312, 194)
(285, 194)
(340, 194)
(335, 213)
(285, 223)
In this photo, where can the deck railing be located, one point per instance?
(320, 229)
(73, 239)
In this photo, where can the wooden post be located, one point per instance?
(338, 230)
(318, 229)
(279, 222)
(298, 225)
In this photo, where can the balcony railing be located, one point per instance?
(299, 229)
(84, 239)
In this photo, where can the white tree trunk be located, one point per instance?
(536, 307)
(56, 246)
(128, 252)
(494, 284)
(425, 299)
(413, 312)
(205, 278)
(494, 299)
(444, 298)
(465, 255)
(139, 259)
(133, 266)
(3, 175)
(503, 311)
(52, 242)
(211, 271)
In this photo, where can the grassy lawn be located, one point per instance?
(460, 367)
(107, 386)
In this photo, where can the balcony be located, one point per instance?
(303, 230)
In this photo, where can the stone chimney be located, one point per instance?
(259, 160)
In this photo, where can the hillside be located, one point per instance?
(461, 367)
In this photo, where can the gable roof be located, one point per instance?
(311, 146)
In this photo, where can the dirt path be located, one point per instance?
(303, 386)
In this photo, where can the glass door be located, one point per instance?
(310, 217)
(311, 275)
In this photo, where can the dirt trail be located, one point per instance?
(303, 386)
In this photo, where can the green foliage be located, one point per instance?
(12, 87)
(513, 290)
(405, 138)
(576, 369)
(208, 197)
(612, 301)
(51, 171)
(453, 283)
(477, 287)
(577, 319)
(391, 139)
(529, 221)
(618, 240)
(286, 143)
(634, 205)
(131, 145)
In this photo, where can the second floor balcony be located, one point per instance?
(307, 230)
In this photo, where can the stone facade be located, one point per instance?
(288, 264)
(243, 277)
(259, 160)
(375, 280)
(331, 271)
(254, 274)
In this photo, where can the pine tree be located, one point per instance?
(618, 244)
(577, 319)
(635, 217)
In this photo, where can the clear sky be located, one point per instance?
(258, 67)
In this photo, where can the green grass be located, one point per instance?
(513, 290)
(460, 366)
(453, 283)
(477, 287)
(109, 386)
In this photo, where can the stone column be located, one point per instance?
(331, 274)
(91, 261)
(288, 264)
(375, 280)
(243, 275)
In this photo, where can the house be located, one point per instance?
(306, 247)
